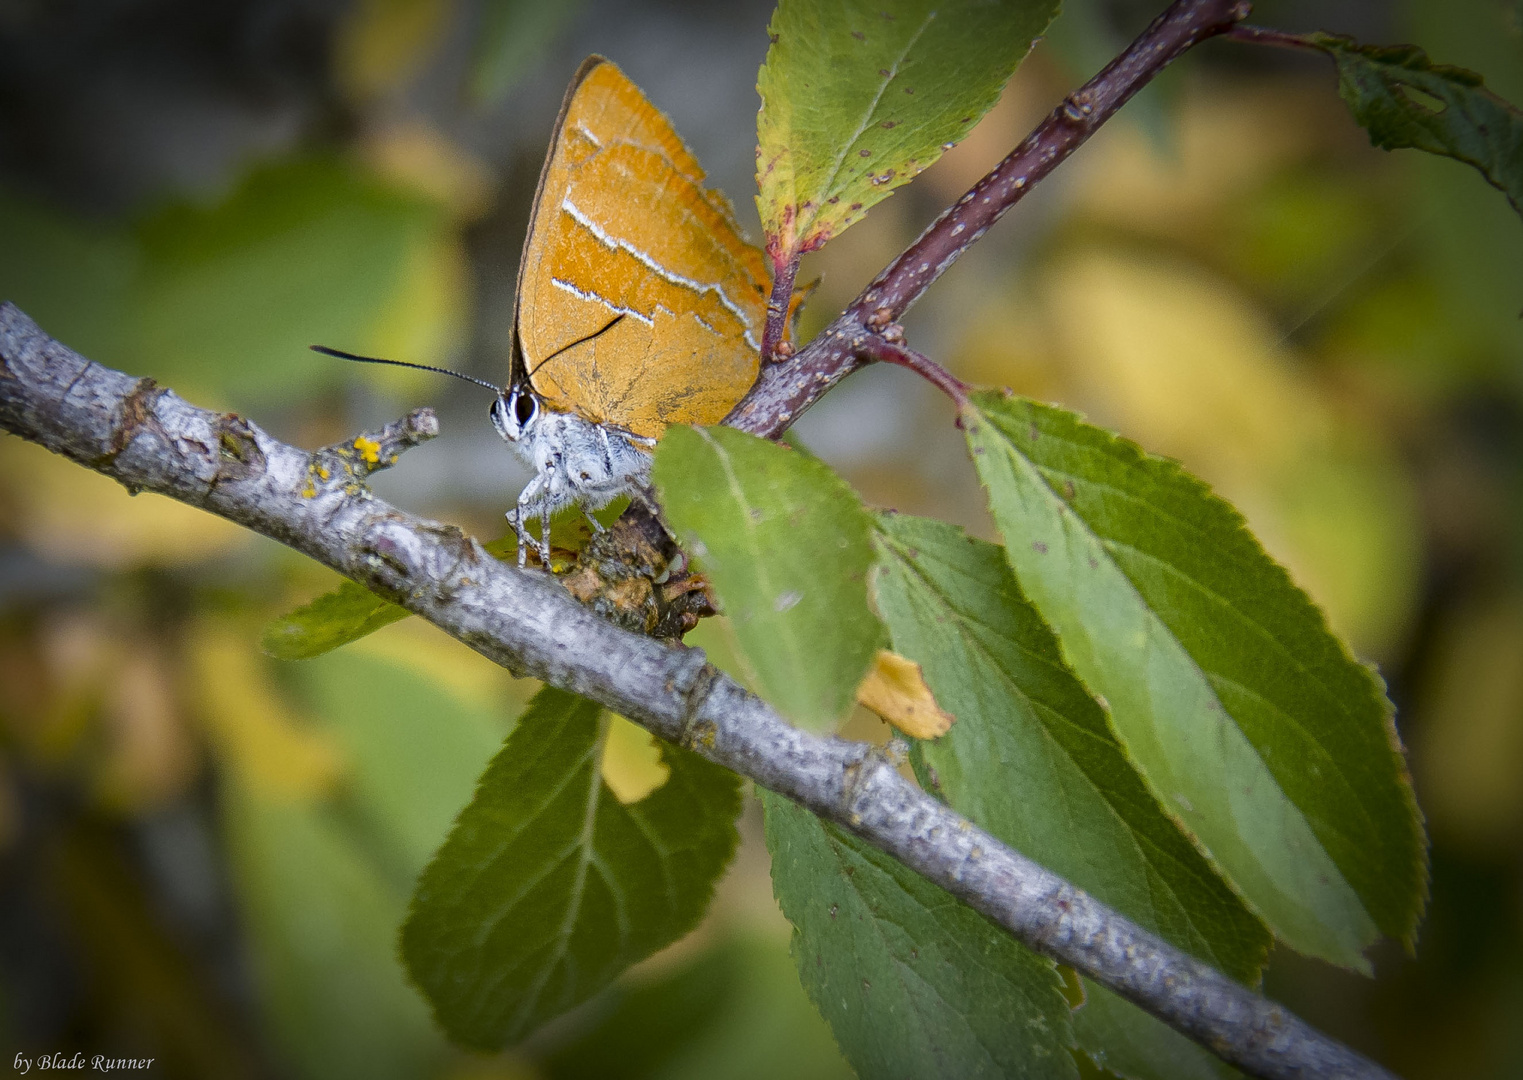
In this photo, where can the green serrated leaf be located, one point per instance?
(335, 618)
(1250, 721)
(548, 887)
(1031, 757)
(1451, 114)
(912, 981)
(858, 97)
(784, 541)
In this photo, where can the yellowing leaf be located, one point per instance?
(424, 316)
(251, 725)
(632, 766)
(895, 689)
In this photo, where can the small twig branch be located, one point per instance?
(1258, 35)
(784, 391)
(148, 439)
(887, 348)
(784, 273)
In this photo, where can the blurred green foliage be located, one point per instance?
(222, 299)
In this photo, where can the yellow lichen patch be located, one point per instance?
(895, 689)
(632, 765)
(369, 449)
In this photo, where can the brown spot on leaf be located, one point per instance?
(1039, 547)
(859, 35)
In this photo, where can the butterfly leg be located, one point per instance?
(516, 519)
(534, 489)
(544, 527)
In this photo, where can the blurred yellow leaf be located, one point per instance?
(1468, 752)
(277, 755)
(384, 43)
(413, 152)
(1224, 146)
(70, 514)
(1179, 360)
(895, 689)
(53, 691)
(632, 765)
(1182, 362)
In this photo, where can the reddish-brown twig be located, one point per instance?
(784, 390)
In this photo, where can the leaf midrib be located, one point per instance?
(849, 145)
(1330, 699)
(585, 842)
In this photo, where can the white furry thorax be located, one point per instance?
(575, 461)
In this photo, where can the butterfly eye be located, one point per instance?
(524, 408)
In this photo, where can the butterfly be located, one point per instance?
(639, 304)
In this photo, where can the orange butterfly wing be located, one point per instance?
(623, 225)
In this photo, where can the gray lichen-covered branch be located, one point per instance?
(148, 439)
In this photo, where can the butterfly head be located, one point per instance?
(515, 413)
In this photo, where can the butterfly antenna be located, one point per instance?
(403, 363)
(609, 325)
